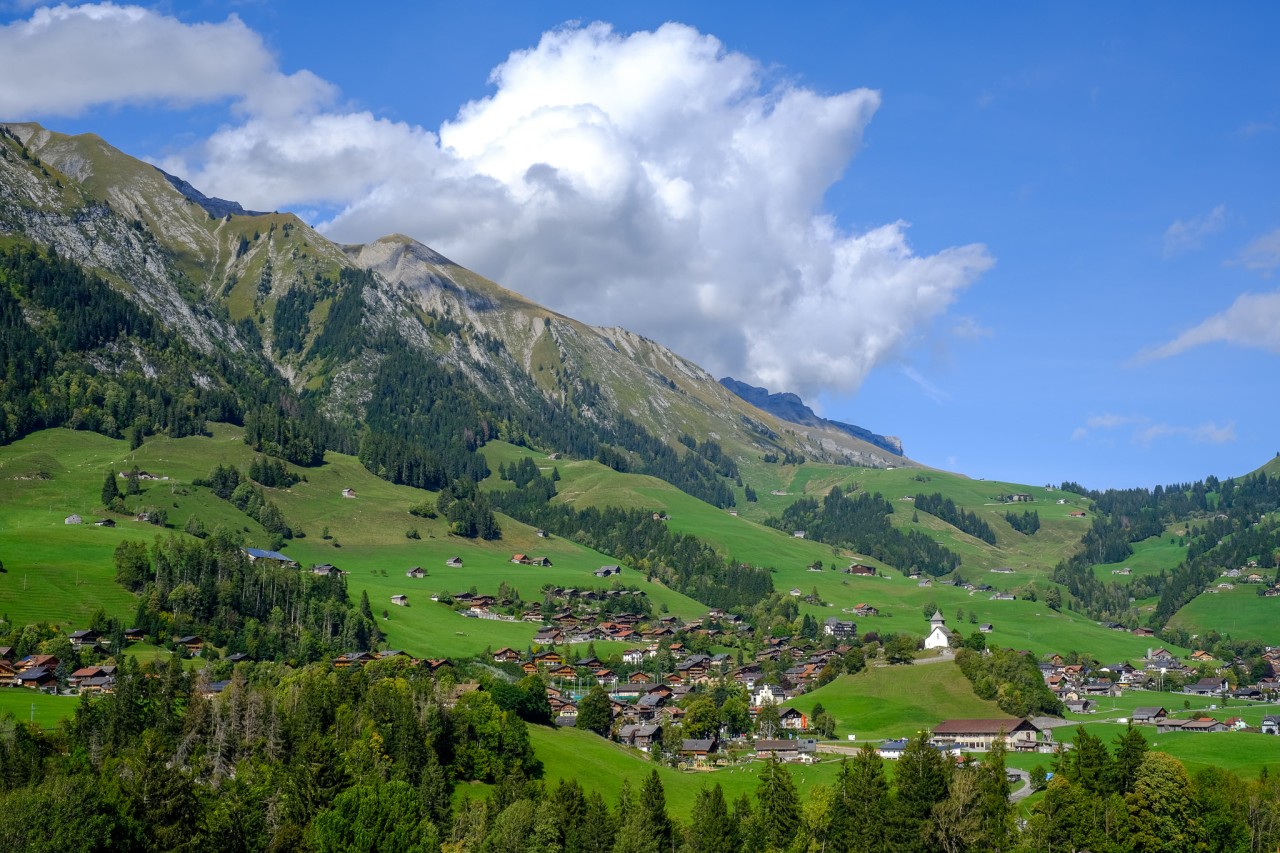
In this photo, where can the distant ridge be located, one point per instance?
(791, 408)
(216, 207)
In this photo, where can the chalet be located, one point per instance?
(400, 600)
(1143, 632)
(564, 671)
(541, 534)
(73, 519)
(1271, 724)
(979, 735)
(640, 677)
(1020, 497)
(213, 688)
(796, 591)
(1149, 715)
(1201, 656)
(1251, 694)
(7, 672)
(49, 662)
(454, 562)
(860, 569)
(839, 628)
(607, 571)
(1207, 687)
(348, 493)
(545, 562)
(633, 656)
(193, 644)
(325, 570)
(865, 610)
(506, 655)
(788, 749)
(1081, 706)
(134, 635)
(794, 720)
(799, 534)
(520, 559)
(698, 748)
(641, 736)
(416, 572)
(80, 639)
(1123, 571)
(986, 627)
(1203, 724)
(105, 522)
(237, 657)
(1004, 570)
(36, 678)
(1079, 513)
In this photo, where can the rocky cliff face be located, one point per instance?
(791, 408)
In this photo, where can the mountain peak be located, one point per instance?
(791, 408)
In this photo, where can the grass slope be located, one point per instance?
(892, 702)
(61, 573)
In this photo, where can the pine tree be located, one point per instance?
(653, 802)
(861, 809)
(779, 817)
(922, 783)
(110, 491)
(711, 830)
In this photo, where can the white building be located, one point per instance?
(939, 637)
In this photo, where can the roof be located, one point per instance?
(262, 554)
(990, 726)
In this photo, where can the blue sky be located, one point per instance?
(1036, 246)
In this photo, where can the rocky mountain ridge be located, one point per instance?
(224, 276)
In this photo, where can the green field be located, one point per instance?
(601, 765)
(31, 705)
(897, 701)
(61, 573)
(1018, 624)
(1240, 612)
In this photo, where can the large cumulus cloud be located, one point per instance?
(653, 180)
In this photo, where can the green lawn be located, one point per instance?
(31, 705)
(601, 765)
(898, 701)
(1240, 612)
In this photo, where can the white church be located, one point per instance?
(939, 637)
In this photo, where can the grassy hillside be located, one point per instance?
(1240, 612)
(892, 702)
(61, 573)
(1020, 623)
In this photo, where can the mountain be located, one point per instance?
(791, 408)
(143, 306)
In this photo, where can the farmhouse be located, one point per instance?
(400, 600)
(416, 572)
(788, 749)
(979, 735)
(1149, 715)
(859, 569)
(1207, 687)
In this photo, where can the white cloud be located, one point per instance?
(1263, 254)
(1144, 431)
(651, 180)
(1188, 235)
(1206, 433)
(65, 59)
(1253, 320)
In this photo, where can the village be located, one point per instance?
(667, 664)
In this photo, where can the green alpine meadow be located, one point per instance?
(328, 547)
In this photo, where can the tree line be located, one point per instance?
(861, 522)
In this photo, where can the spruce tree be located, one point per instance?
(711, 830)
(110, 491)
(779, 805)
